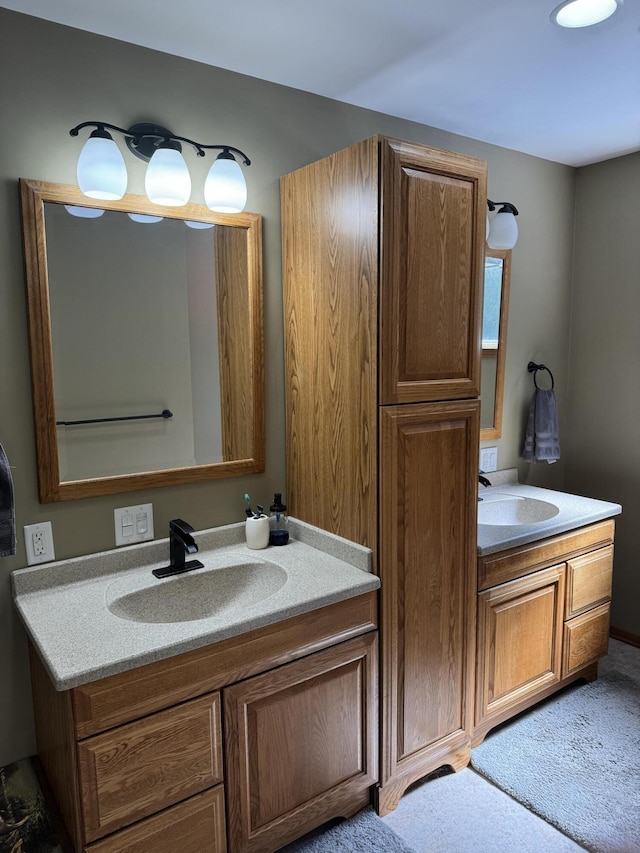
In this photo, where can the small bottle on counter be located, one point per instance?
(279, 533)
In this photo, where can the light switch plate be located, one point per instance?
(38, 540)
(133, 524)
(488, 459)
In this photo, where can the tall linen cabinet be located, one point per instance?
(383, 247)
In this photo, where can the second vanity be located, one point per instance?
(239, 729)
(545, 562)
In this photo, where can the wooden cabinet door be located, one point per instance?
(301, 745)
(434, 207)
(519, 640)
(428, 492)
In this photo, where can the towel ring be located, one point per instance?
(534, 368)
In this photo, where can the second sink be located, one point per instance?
(197, 595)
(511, 510)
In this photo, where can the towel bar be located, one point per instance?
(165, 413)
(532, 367)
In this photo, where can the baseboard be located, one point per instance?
(624, 636)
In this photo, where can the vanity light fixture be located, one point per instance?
(502, 229)
(102, 172)
(583, 13)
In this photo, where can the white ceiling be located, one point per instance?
(494, 70)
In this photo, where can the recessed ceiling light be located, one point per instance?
(583, 13)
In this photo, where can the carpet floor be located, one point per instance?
(575, 758)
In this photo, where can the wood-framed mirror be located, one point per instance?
(146, 342)
(497, 279)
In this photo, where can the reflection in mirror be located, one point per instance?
(497, 271)
(146, 342)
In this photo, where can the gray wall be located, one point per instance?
(54, 77)
(603, 458)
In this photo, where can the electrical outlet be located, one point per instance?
(38, 540)
(133, 524)
(488, 459)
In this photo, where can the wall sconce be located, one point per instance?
(502, 230)
(102, 172)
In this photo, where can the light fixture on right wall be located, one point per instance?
(583, 13)
(502, 229)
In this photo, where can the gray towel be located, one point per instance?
(7, 511)
(541, 442)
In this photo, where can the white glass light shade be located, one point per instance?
(144, 217)
(191, 223)
(503, 232)
(83, 212)
(167, 180)
(101, 169)
(225, 189)
(583, 13)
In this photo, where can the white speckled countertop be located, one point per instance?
(65, 605)
(574, 511)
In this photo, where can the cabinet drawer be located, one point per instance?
(197, 824)
(586, 639)
(510, 565)
(133, 771)
(589, 581)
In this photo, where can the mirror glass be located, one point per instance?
(497, 271)
(146, 342)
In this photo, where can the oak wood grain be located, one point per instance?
(508, 565)
(55, 739)
(33, 195)
(433, 236)
(301, 742)
(519, 639)
(197, 824)
(330, 279)
(586, 638)
(140, 768)
(428, 476)
(240, 343)
(589, 581)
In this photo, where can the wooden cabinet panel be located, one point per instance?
(433, 234)
(133, 771)
(427, 571)
(509, 565)
(586, 638)
(300, 742)
(519, 639)
(330, 272)
(589, 580)
(197, 825)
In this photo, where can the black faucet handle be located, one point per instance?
(181, 526)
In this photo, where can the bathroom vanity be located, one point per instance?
(237, 731)
(544, 592)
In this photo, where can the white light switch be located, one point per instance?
(488, 459)
(133, 524)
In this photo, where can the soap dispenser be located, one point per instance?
(279, 532)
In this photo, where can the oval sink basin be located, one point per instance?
(513, 510)
(199, 594)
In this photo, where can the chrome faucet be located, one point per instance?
(181, 542)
